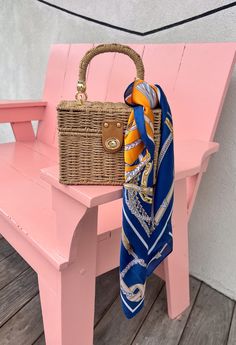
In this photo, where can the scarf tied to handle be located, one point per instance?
(147, 193)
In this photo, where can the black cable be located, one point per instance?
(150, 32)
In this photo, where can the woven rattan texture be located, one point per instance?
(113, 47)
(83, 159)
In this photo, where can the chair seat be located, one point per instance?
(25, 198)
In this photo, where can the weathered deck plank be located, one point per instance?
(158, 328)
(207, 321)
(5, 249)
(210, 319)
(232, 334)
(115, 329)
(25, 326)
(10, 268)
(107, 290)
(16, 294)
(40, 340)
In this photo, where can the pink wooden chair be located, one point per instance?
(67, 233)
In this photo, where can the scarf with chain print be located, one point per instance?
(147, 193)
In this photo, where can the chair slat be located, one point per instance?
(200, 89)
(182, 70)
(70, 77)
(162, 63)
(54, 82)
(100, 70)
(122, 74)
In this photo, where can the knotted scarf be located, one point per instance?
(147, 193)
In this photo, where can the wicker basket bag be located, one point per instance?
(91, 134)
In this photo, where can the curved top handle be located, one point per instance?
(105, 48)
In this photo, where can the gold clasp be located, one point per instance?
(112, 143)
(112, 135)
(81, 95)
(81, 87)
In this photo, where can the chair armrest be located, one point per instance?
(21, 111)
(191, 155)
(189, 159)
(89, 196)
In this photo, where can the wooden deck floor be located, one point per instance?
(210, 320)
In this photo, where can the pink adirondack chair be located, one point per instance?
(66, 233)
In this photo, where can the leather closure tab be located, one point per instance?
(112, 135)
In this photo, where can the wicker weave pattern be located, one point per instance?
(113, 47)
(83, 159)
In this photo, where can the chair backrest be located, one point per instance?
(194, 76)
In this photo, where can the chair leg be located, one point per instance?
(176, 265)
(68, 306)
(68, 296)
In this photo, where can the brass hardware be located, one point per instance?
(112, 135)
(81, 87)
(112, 143)
(81, 95)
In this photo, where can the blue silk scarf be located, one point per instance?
(147, 193)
